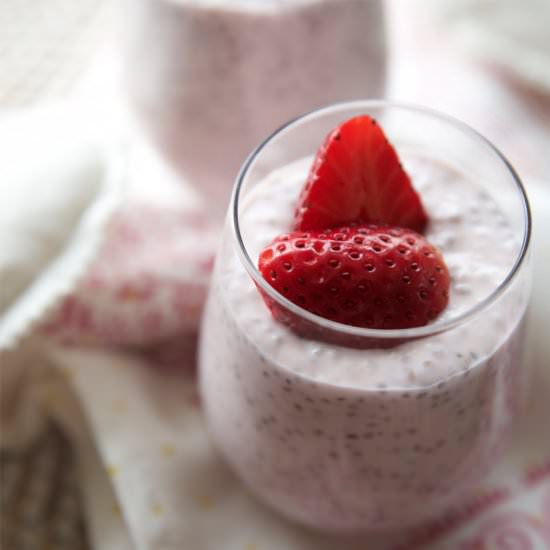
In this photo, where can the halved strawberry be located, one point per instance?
(357, 176)
(366, 275)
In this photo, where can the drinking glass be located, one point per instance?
(210, 78)
(348, 455)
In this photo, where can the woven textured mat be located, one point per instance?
(40, 506)
(45, 47)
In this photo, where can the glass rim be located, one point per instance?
(360, 332)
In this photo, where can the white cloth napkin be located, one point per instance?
(427, 70)
(58, 191)
(513, 36)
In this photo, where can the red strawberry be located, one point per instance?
(356, 176)
(371, 276)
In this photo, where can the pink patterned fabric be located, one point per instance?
(515, 516)
(148, 284)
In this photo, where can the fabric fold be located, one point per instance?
(59, 190)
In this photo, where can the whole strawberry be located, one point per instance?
(372, 276)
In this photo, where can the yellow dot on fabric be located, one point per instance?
(67, 372)
(205, 502)
(120, 405)
(532, 407)
(157, 510)
(168, 449)
(116, 510)
(87, 339)
(112, 470)
(130, 294)
(538, 521)
(50, 396)
(195, 309)
(250, 546)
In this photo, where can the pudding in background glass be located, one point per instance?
(211, 78)
(346, 439)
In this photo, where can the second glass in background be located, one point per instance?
(209, 79)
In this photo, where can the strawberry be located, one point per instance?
(374, 276)
(356, 176)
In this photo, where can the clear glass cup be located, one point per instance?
(210, 78)
(350, 454)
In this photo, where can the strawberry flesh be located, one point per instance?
(357, 176)
(367, 275)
